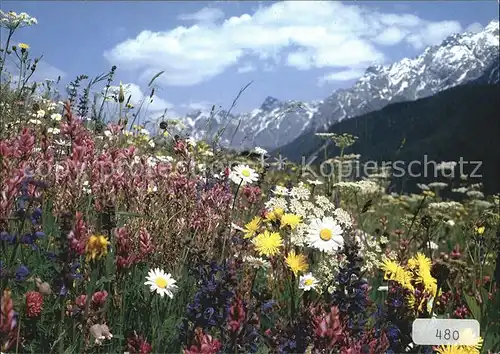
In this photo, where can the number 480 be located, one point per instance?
(448, 334)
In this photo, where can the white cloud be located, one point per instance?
(433, 33)
(474, 27)
(207, 14)
(306, 34)
(198, 105)
(343, 75)
(390, 36)
(246, 68)
(46, 71)
(301, 60)
(136, 96)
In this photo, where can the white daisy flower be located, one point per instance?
(161, 282)
(243, 174)
(308, 282)
(325, 235)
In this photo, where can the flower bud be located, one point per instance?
(121, 95)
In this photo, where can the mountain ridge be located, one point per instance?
(457, 60)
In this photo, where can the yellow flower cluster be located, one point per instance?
(393, 271)
(97, 247)
(417, 271)
(267, 240)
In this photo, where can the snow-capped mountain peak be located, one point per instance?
(269, 104)
(458, 59)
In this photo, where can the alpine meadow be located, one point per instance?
(361, 219)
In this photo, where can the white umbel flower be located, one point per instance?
(325, 235)
(161, 282)
(281, 191)
(450, 223)
(259, 150)
(243, 174)
(56, 116)
(343, 217)
(308, 282)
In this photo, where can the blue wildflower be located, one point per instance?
(75, 271)
(22, 273)
(350, 295)
(36, 216)
(211, 303)
(51, 256)
(5, 236)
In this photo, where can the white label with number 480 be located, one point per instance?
(436, 331)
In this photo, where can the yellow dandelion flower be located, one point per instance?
(420, 262)
(422, 266)
(461, 349)
(24, 46)
(296, 262)
(268, 243)
(275, 215)
(252, 227)
(395, 272)
(480, 230)
(97, 247)
(291, 220)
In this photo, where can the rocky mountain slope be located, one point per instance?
(273, 122)
(459, 59)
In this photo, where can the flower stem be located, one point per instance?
(9, 36)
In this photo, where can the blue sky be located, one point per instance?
(209, 50)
